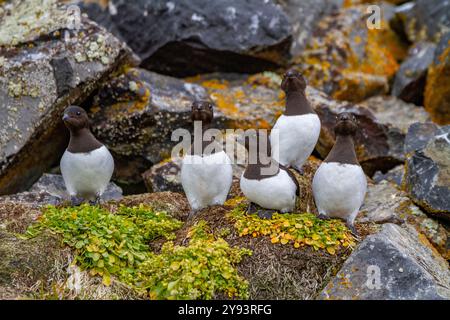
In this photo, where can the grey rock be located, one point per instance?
(385, 202)
(427, 177)
(396, 113)
(304, 16)
(419, 134)
(408, 269)
(42, 70)
(394, 175)
(186, 38)
(425, 19)
(164, 176)
(410, 79)
(50, 189)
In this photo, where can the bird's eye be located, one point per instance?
(78, 113)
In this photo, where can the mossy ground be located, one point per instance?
(211, 240)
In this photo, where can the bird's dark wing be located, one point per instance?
(292, 177)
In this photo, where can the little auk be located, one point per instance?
(206, 172)
(298, 128)
(86, 165)
(265, 182)
(339, 184)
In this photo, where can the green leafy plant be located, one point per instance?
(199, 271)
(107, 243)
(299, 229)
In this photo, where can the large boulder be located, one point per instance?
(348, 60)
(425, 19)
(185, 38)
(437, 90)
(396, 263)
(304, 16)
(43, 68)
(427, 178)
(396, 113)
(410, 80)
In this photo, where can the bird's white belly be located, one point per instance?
(339, 189)
(277, 193)
(297, 137)
(206, 180)
(87, 174)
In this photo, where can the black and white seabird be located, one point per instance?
(206, 172)
(298, 128)
(86, 165)
(339, 184)
(270, 189)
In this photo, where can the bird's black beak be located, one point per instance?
(65, 117)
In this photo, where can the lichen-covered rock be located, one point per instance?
(190, 37)
(410, 79)
(396, 263)
(425, 19)
(437, 90)
(50, 189)
(304, 16)
(418, 135)
(43, 68)
(348, 60)
(386, 203)
(136, 113)
(427, 178)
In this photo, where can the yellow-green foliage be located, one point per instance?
(198, 271)
(107, 243)
(296, 229)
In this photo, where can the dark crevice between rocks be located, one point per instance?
(170, 60)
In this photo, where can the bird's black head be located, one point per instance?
(75, 118)
(346, 124)
(293, 81)
(202, 111)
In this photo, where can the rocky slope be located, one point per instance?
(136, 71)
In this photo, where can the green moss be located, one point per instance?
(117, 244)
(297, 229)
(199, 271)
(107, 243)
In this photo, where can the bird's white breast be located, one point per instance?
(206, 180)
(87, 174)
(277, 192)
(297, 137)
(339, 189)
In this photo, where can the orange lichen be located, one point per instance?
(437, 91)
(351, 3)
(332, 61)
